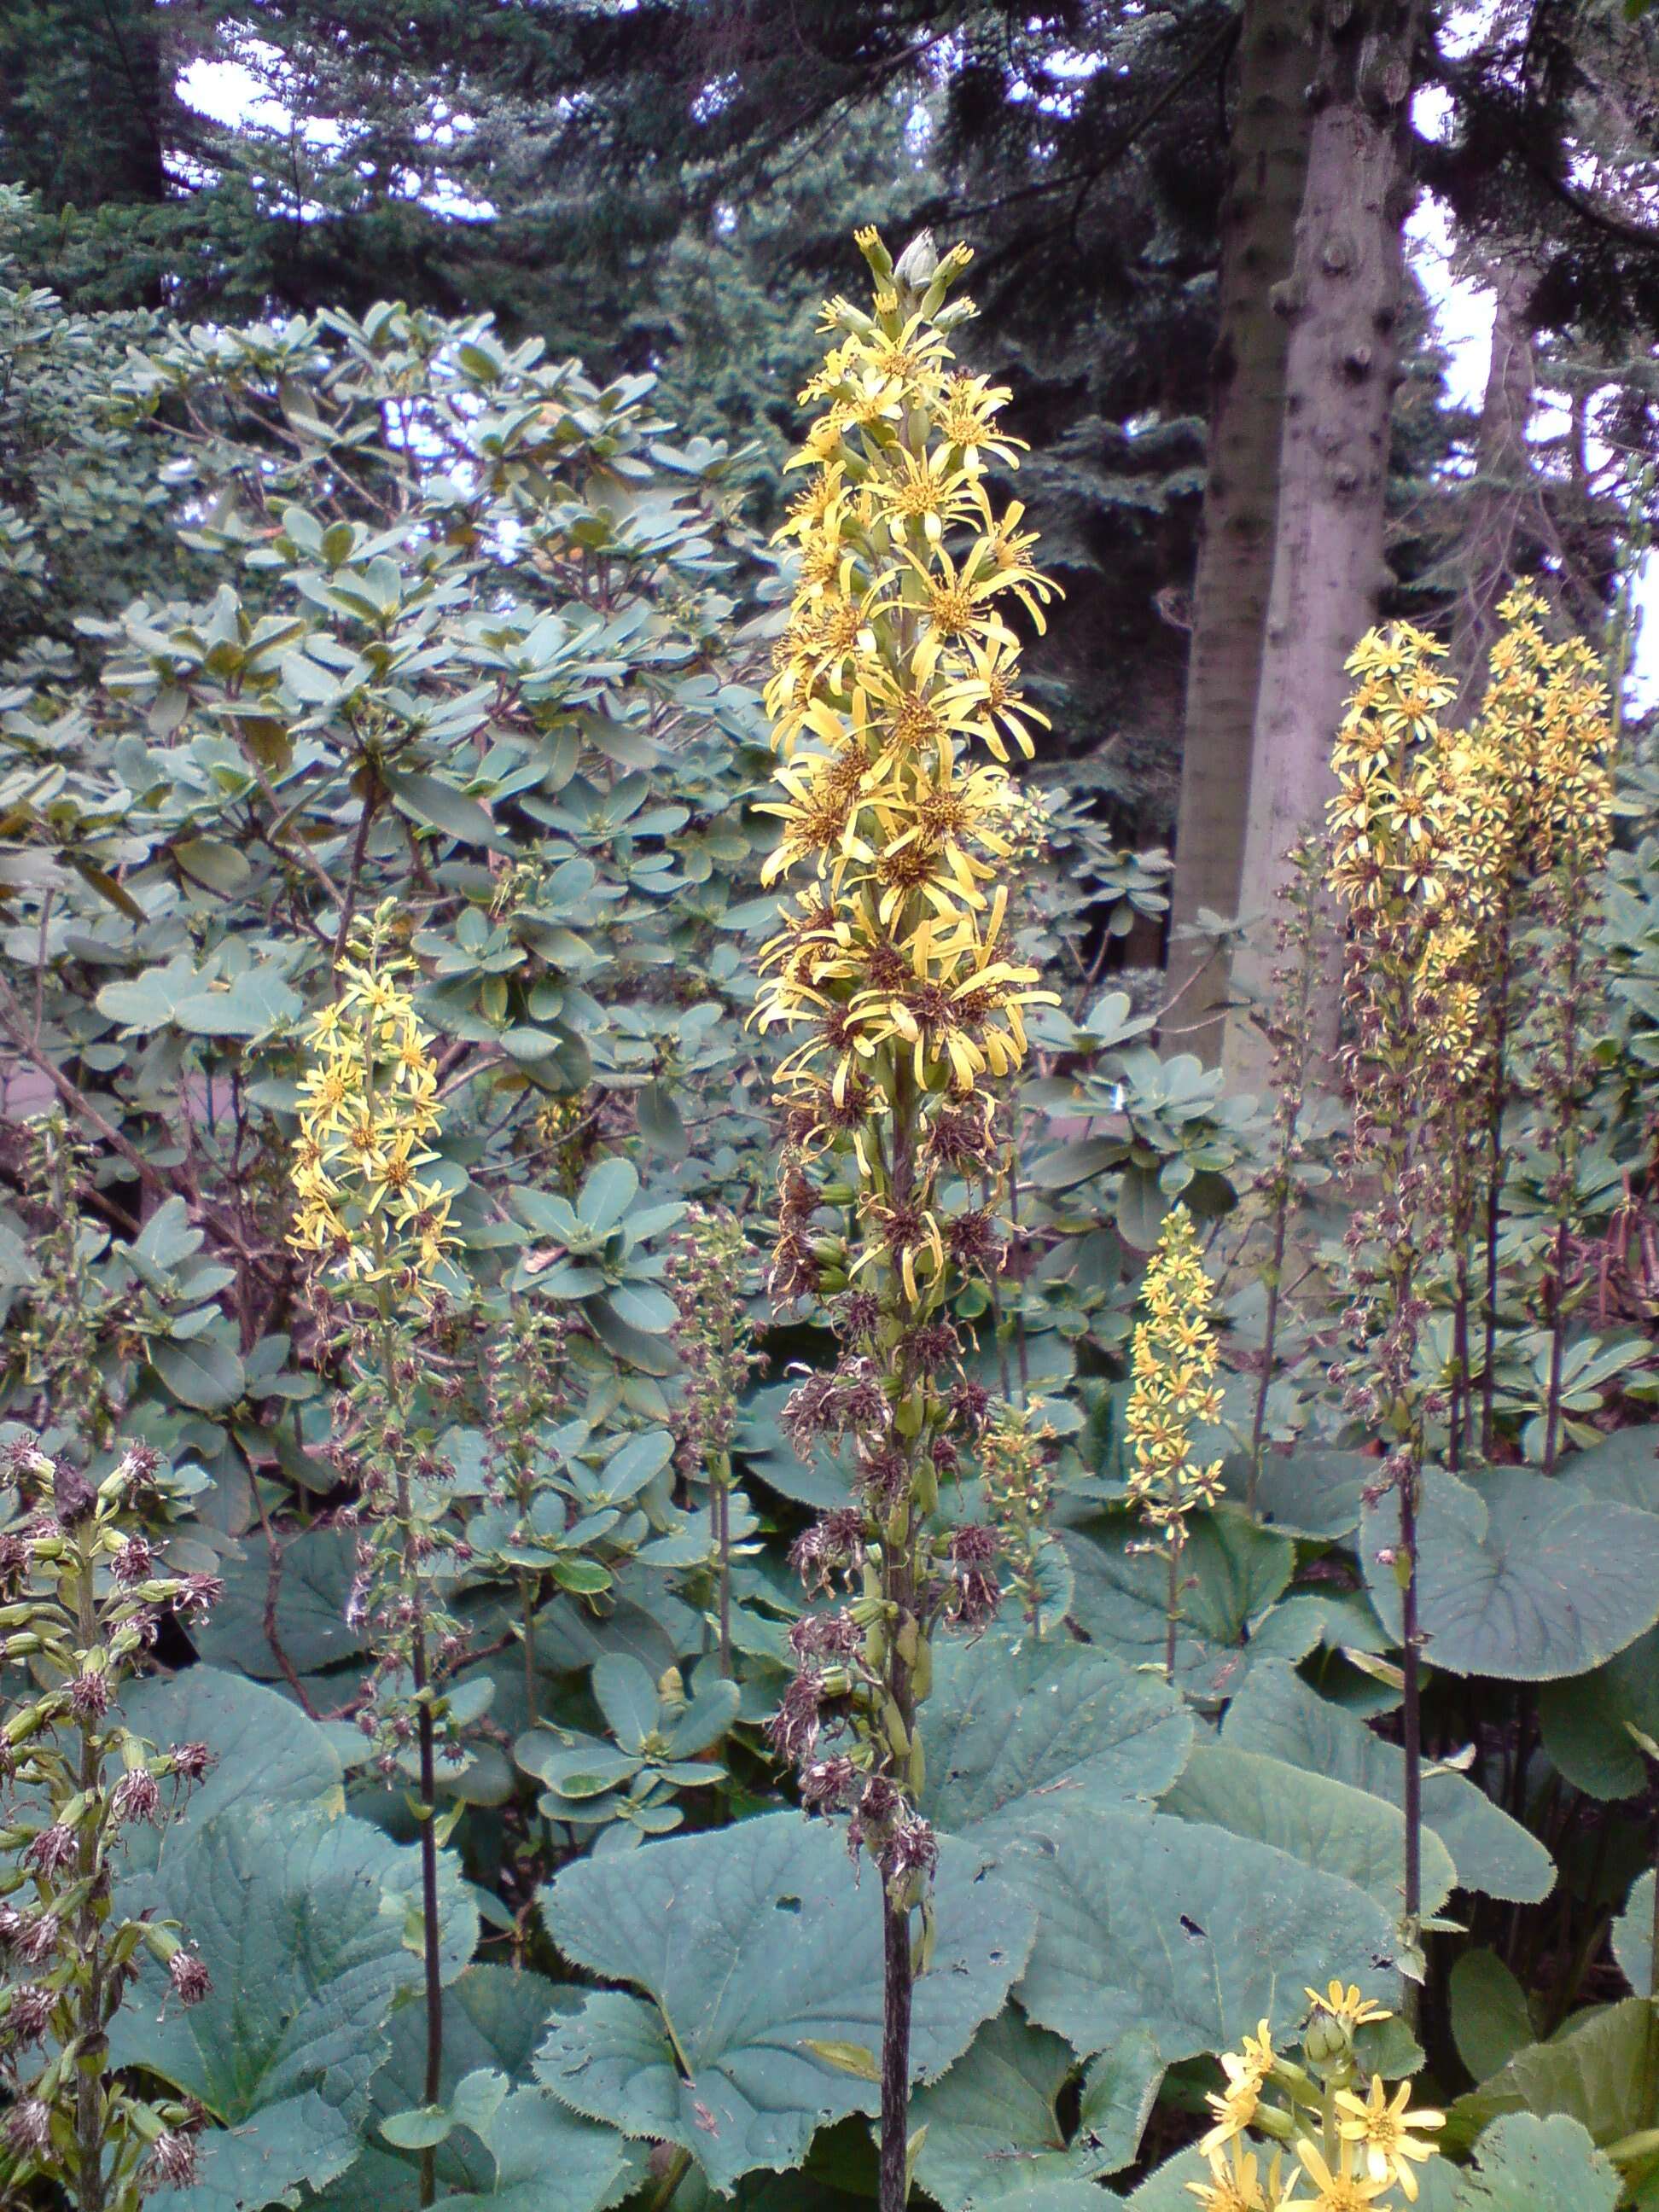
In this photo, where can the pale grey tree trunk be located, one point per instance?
(1507, 520)
(1342, 303)
(1268, 170)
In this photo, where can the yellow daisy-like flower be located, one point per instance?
(1235, 2106)
(1339, 2189)
(1343, 2002)
(1235, 2183)
(1382, 2130)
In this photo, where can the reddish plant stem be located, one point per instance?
(433, 2087)
(898, 1981)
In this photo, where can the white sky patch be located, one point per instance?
(1463, 313)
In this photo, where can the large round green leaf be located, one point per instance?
(1312, 1492)
(494, 2018)
(1622, 1469)
(314, 1584)
(1233, 1574)
(994, 2125)
(1276, 1712)
(1598, 2072)
(1524, 2163)
(1632, 1937)
(1587, 1721)
(303, 1923)
(754, 1944)
(1010, 1722)
(267, 1752)
(1556, 1582)
(1323, 1822)
(1186, 1931)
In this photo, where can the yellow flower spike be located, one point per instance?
(1172, 1356)
(367, 1107)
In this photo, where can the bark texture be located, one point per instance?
(1508, 525)
(1268, 165)
(1342, 306)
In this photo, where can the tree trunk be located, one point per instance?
(1507, 525)
(1342, 303)
(1269, 162)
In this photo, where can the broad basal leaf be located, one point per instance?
(1276, 1712)
(493, 2019)
(303, 1923)
(1587, 1721)
(1234, 1572)
(1632, 1937)
(313, 1588)
(1061, 2196)
(1062, 1724)
(1186, 1931)
(1311, 1492)
(1323, 1823)
(1558, 1581)
(993, 2124)
(752, 1943)
(1598, 2072)
(267, 1752)
(1524, 2163)
(535, 2138)
(1490, 2019)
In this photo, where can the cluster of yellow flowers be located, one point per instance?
(1172, 1366)
(1434, 824)
(369, 1103)
(896, 662)
(1352, 2150)
(1548, 709)
(1409, 838)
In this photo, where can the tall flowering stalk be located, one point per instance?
(1571, 831)
(893, 973)
(1016, 1459)
(526, 1384)
(1394, 829)
(1172, 1366)
(1503, 752)
(58, 1344)
(82, 1591)
(709, 1276)
(1302, 939)
(1462, 996)
(378, 1226)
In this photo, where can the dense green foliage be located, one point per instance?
(399, 1590)
(481, 639)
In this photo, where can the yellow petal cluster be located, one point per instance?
(1334, 2149)
(1172, 1367)
(1430, 826)
(368, 1105)
(1548, 706)
(1425, 827)
(1394, 817)
(897, 664)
